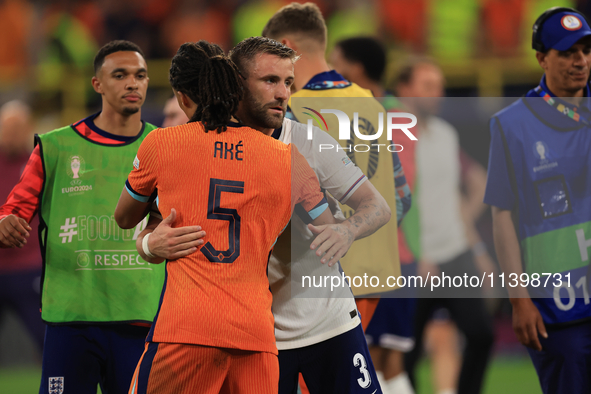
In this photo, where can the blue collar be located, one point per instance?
(235, 124)
(277, 133)
(556, 117)
(327, 80)
(544, 86)
(89, 121)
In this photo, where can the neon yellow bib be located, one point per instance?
(92, 271)
(376, 255)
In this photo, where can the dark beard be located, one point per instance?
(130, 110)
(258, 115)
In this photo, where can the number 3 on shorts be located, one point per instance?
(359, 361)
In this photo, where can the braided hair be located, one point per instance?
(208, 77)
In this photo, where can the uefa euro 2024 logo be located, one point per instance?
(345, 127)
(76, 166)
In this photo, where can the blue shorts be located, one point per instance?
(77, 357)
(19, 292)
(339, 365)
(391, 326)
(564, 363)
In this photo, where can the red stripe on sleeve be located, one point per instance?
(23, 200)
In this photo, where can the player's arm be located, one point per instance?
(371, 213)
(334, 238)
(312, 207)
(166, 242)
(527, 321)
(501, 193)
(21, 204)
(130, 211)
(140, 188)
(347, 183)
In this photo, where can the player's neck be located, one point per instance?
(118, 124)
(268, 132)
(307, 67)
(246, 120)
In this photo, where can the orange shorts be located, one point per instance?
(366, 308)
(187, 369)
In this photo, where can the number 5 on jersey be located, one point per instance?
(215, 212)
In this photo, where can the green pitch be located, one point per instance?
(506, 375)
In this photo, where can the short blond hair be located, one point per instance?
(299, 19)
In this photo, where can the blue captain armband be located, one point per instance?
(140, 197)
(309, 216)
(318, 209)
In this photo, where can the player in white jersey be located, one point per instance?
(328, 314)
(327, 319)
(304, 315)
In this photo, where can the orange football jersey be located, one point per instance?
(237, 185)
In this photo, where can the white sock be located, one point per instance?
(400, 384)
(448, 391)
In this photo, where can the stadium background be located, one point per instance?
(47, 47)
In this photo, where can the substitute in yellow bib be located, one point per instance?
(302, 28)
(333, 350)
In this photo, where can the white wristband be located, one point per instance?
(145, 246)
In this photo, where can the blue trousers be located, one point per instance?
(77, 358)
(564, 363)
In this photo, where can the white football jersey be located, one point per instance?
(308, 315)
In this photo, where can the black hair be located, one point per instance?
(112, 47)
(208, 77)
(369, 52)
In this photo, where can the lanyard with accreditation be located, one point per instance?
(563, 109)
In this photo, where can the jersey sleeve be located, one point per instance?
(336, 172)
(23, 200)
(305, 189)
(499, 192)
(142, 181)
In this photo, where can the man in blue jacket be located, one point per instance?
(539, 187)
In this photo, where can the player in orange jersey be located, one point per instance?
(214, 329)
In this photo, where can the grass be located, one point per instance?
(24, 380)
(507, 375)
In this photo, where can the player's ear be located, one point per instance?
(541, 57)
(183, 99)
(289, 43)
(186, 104)
(96, 84)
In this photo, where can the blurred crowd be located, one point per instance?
(50, 33)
